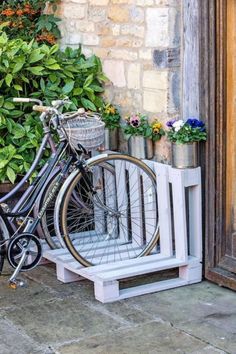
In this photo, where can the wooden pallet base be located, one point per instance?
(107, 277)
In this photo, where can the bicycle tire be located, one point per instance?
(115, 225)
(4, 235)
(47, 222)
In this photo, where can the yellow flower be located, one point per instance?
(155, 130)
(112, 110)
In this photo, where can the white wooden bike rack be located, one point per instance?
(180, 244)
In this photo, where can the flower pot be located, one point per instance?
(184, 155)
(140, 147)
(111, 139)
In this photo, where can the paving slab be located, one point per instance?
(49, 317)
(150, 338)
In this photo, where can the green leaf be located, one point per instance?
(9, 105)
(88, 104)
(36, 70)
(53, 67)
(36, 55)
(3, 163)
(88, 80)
(18, 87)
(11, 174)
(8, 79)
(68, 87)
(96, 88)
(54, 49)
(77, 91)
(18, 66)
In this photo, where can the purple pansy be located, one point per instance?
(170, 123)
(196, 123)
(135, 121)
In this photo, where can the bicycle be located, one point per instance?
(106, 209)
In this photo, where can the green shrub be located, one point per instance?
(47, 73)
(26, 19)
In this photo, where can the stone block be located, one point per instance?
(133, 30)
(115, 71)
(123, 54)
(129, 42)
(137, 14)
(118, 13)
(153, 79)
(145, 54)
(97, 14)
(90, 39)
(166, 58)
(73, 11)
(144, 3)
(107, 41)
(85, 26)
(157, 34)
(133, 76)
(155, 101)
(174, 92)
(115, 29)
(98, 2)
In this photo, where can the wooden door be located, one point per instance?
(220, 203)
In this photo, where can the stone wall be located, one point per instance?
(139, 44)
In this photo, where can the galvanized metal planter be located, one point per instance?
(111, 139)
(140, 147)
(184, 155)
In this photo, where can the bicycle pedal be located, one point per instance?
(5, 207)
(17, 283)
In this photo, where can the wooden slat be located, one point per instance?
(179, 207)
(135, 204)
(122, 198)
(164, 210)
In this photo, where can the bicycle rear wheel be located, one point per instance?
(4, 235)
(118, 219)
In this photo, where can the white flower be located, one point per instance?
(178, 125)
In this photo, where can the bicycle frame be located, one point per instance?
(34, 190)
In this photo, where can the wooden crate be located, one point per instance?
(180, 244)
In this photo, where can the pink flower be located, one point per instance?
(135, 121)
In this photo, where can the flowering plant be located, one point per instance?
(157, 130)
(110, 116)
(181, 132)
(137, 125)
(30, 19)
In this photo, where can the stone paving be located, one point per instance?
(50, 317)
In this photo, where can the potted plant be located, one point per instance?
(184, 137)
(139, 133)
(157, 133)
(111, 118)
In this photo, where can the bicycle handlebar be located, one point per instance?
(27, 100)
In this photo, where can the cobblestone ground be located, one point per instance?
(50, 317)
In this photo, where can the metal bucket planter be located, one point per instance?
(140, 147)
(111, 139)
(184, 155)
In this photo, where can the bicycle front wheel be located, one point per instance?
(118, 218)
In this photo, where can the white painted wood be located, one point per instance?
(135, 204)
(106, 277)
(180, 217)
(106, 291)
(64, 275)
(99, 217)
(195, 218)
(122, 199)
(110, 197)
(164, 210)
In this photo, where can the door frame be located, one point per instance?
(206, 52)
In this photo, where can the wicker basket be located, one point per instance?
(86, 129)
